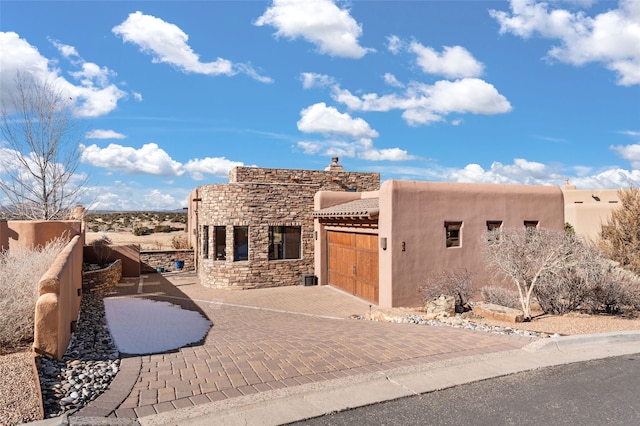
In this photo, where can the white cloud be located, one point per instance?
(167, 43)
(104, 134)
(394, 44)
(391, 80)
(319, 118)
(368, 152)
(217, 166)
(137, 96)
(611, 38)
(320, 22)
(65, 50)
(94, 95)
(150, 159)
(311, 80)
(423, 104)
(453, 62)
(630, 153)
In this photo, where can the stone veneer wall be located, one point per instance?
(259, 198)
(102, 280)
(150, 260)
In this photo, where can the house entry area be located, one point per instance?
(353, 263)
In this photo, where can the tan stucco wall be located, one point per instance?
(58, 303)
(586, 210)
(414, 213)
(30, 233)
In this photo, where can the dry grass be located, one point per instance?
(20, 272)
(159, 241)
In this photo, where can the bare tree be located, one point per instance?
(39, 151)
(528, 256)
(620, 235)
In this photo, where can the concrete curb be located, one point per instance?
(575, 341)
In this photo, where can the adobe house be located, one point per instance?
(587, 209)
(257, 230)
(382, 245)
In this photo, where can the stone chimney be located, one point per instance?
(334, 166)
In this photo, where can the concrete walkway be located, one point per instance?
(279, 355)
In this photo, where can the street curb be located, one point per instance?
(578, 340)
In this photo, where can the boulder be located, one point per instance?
(498, 313)
(441, 307)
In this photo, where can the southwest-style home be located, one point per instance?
(257, 230)
(382, 245)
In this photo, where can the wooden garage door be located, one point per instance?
(353, 263)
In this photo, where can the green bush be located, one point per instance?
(162, 228)
(140, 230)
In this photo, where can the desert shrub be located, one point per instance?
(620, 235)
(140, 230)
(20, 272)
(102, 250)
(162, 228)
(500, 296)
(450, 283)
(179, 242)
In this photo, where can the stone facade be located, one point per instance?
(151, 260)
(102, 280)
(258, 199)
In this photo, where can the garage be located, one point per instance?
(353, 263)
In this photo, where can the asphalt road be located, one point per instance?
(600, 392)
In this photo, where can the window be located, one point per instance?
(220, 234)
(453, 233)
(205, 241)
(530, 224)
(240, 243)
(284, 242)
(493, 230)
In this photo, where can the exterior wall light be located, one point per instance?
(383, 243)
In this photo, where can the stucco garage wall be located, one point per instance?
(412, 214)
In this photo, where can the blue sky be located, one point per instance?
(171, 95)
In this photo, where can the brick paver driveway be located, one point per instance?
(274, 338)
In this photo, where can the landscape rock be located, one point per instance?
(497, 312)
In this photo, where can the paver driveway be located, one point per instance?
(269, 339)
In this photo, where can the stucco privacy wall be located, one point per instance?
(586, 210)
(412, 218)
(58, 302)
(33, 233)
(259, 198)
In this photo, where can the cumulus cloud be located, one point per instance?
(103, 134)
(346, 136)
(216, 166)
(391, 80)
(321, 22)
(424, 104)
(611, 38)
(320, 118)
(150, 159)
(167, 43)
(91, 91)
(453, 62)
(630, 153)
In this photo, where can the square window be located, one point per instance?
(493, 230)
(284, 242)
(453, 233)
(240, 243)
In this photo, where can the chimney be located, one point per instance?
(334, 166)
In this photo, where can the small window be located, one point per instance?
(240, 243)
(221, 242)
(284, 242)
(453, 230)
(493, 230)
(613, 202)
(531, 224)
(205, 241)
